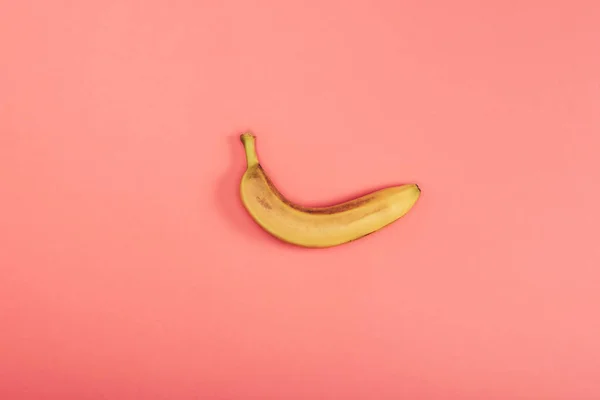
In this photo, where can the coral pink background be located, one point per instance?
(129, 270)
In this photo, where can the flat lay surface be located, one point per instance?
(130, 270)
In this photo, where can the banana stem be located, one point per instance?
(249, 141)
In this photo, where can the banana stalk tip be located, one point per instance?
(247, 135)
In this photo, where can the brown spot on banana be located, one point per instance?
(264, 203)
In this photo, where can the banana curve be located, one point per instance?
(318, 226)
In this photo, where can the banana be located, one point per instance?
(316, 227)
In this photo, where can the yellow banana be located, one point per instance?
(320, 226)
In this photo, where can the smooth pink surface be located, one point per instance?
(129, 269)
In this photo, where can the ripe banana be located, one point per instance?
(321, 226)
